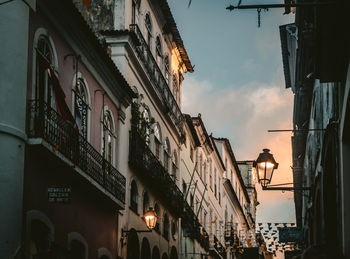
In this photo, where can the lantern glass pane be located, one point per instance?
(265, 170)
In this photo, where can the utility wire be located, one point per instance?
(8, 1)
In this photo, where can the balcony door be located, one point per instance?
(81, 106)
(44, 62)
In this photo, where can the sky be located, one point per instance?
(238, 86)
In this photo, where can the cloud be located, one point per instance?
(243, 114)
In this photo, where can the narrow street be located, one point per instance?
(163, 129)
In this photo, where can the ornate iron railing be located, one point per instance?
(44, 122)
(161, 86)
(149, 168)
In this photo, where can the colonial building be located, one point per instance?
(213, 186)
(145, 43)
(93, 136)
(315, 53)
(65, 102)
(238, 205)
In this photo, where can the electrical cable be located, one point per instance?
(8, 1)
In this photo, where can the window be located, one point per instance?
(44, 63)
(166, 227)
(157, 211)
(40, 242)
(174, 166)
(133, 13)
(77, 250)
(107, 137)
(157, 140)
(173, 228)
(167, 69)
(159, 51)
(200, 164)
(219, 190)
(134, 195)
(211, 176)
(175, 89)
(192, 201)
(146, 202)
(143, 128)
(81, 106)
(166, 154)
(205, 219)
(184, 187)
(191, 152)
(205, 173)
(148, 24)
(215, 182)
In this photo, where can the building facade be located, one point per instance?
(95, 137)
(316, 62)
(73, 102)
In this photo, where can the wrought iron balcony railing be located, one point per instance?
(44, 122)
(161, 86)
(150, 169)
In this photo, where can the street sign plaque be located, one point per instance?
(60, 195)
(290, 234)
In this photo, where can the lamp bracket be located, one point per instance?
(286, 188)
(266, 6)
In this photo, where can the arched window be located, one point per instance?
(77, 250)
(148, 24)
(210, 175)
(167, 69)
(143, 127)
(215, 191)
(157, 211)
(81, 106)
(134, 196)
(159, 51)
(200, 165)
(155, 253)
(175, 89)
(166, 154)
(145, 249)
(166, 227)
(192, 201)
(173, 228)
(40, 242)
(107, 136)
(205, 173)
(77, 246)
(175, 165)
(157, 140)
(146, 202)
(43, 74)
(184, 187)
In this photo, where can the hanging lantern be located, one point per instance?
(265, 165)
(150, 218)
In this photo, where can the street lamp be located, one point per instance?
(265, 165)
(150, 217)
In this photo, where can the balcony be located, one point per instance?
(160, 85)
(152, 172)
(64, 139)
(190, 222)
